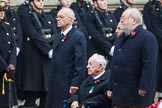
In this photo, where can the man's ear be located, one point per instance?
(100, 67)
(31, 3)
(95, 3)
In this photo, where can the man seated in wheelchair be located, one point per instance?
(92, 91)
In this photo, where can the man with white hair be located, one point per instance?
(133, 70)
(94, 87)
(69, 60)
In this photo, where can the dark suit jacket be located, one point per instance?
(98, 94)
(68, 67)
(134, 68)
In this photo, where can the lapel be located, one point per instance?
(69, 34)
(123, 38)
(58, 42)
(91, 81)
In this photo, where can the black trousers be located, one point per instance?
(30, 99)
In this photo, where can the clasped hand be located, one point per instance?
(10, 70)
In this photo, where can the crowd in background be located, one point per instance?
(80, 55)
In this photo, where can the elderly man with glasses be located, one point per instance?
(69, 60)
(133, 70)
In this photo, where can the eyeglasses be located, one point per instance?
(61, 17)
(124, 18)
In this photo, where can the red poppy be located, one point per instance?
(155, 105)
(96, 81)
(65, 38)
(133, 33)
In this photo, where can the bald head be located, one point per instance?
(65, 18)
(68, 12)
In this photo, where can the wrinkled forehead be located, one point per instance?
(126, 13)
(62, 12)
(91, 59)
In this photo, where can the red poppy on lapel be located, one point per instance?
(96, 81)
(132, 33)
(64, 38)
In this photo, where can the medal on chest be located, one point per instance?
(91, 89)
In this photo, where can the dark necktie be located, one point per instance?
(61, 37)
(126, 35)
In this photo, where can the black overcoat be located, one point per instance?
(153, 22)
(134, 68)
(68, 67)
(34, 54)
(7, 56)
(97, 41)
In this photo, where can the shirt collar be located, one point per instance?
(96, 77)
(66, 31)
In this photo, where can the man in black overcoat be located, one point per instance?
(69, 60)
(133, 68)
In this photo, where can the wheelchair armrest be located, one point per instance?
(91, 103)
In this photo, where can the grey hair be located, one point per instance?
(100, 60)
(135, 13)
(69, 12)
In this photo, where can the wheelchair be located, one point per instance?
(88, 105)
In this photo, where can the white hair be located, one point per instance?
(69, 12)
(135, 13)
(100, 60)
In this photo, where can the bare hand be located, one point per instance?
(10, 70)
(142, 92)
(73, 89)
(109, 94)
(83, 106)
(74, 104)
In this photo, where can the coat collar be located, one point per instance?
(133, 33)
(67, 30)
(102, 78)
